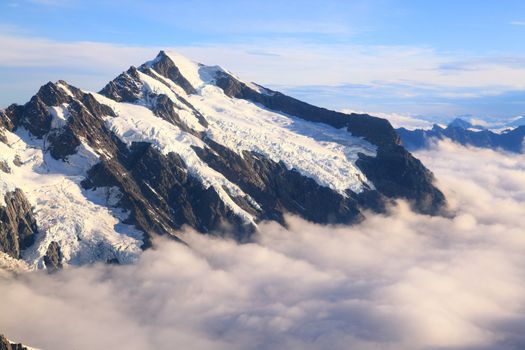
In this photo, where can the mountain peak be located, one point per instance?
(54, 94)
(460, 123)
(174, 67)
(162, 53)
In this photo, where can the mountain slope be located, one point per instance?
(174, 143)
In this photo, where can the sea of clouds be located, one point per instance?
(398, 281)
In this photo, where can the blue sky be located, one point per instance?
(440, 58)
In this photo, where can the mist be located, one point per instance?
(396, 281)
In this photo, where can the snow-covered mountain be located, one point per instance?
(88, 177)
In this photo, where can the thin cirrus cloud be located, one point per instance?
(401, 73)
(397, 281)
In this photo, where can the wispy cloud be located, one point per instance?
(518, 23)
(39, 52)
(404, 72)
(287, 62)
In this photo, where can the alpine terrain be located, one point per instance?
(88, 177)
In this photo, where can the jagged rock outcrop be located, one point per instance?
(127, 87)
(53, 258)
(5, 124)
(35, 115)
(397, 174)
(4, 167)
(7, 345)
(17, 224)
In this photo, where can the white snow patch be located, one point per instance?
(316, 150)
(188, 68)
(65, 88)
(208, 74)
(60, 115)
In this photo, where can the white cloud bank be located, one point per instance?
(402, 281)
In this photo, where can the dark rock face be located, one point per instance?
(53, 257)
(85, 122)
(388, 172)
(125, 88)
(6, 345)
(511, 140)
(164, 108)
(279, 190)
(17, 161)
(4, 167)
(143, 215)
(397, 172)
(5, 124)
(17, 224)
(160, 194)
(5, 121)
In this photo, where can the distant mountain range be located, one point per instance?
(509, 137)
